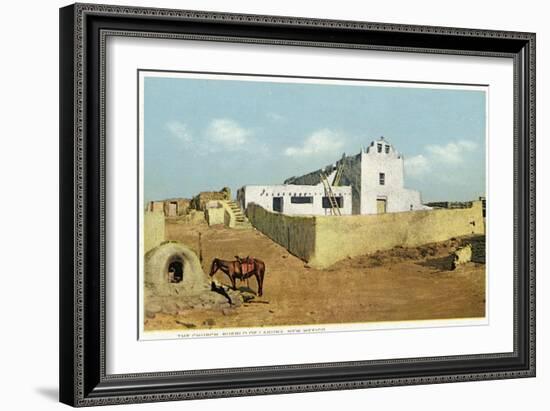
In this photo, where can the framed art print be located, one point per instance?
(262, 204)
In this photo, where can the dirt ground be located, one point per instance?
(396, 285)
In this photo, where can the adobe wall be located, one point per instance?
(214, 216)
(295, 233)
(182, 206)
(229, 217)
(321, 240)
(156, 206)
(153, 229)
(338, 238)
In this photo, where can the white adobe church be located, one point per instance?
(371, 182)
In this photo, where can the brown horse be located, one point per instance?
(241, 269)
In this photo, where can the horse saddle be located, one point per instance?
(247, 265)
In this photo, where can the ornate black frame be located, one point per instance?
(83, 30)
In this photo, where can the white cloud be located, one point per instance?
(417, 166)
(437, 158)
(452, 153)
(467, 145)
(321, 142)
(180, 131)
(228, 133)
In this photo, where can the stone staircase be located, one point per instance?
(240, 219)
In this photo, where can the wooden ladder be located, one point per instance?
(335, 210)
(339, 171)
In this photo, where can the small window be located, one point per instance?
(278, 204)
(301, 200)
(379, 147)
(382, 179)
(387, 148)
(339, 202)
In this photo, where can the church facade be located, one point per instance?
(370, 182)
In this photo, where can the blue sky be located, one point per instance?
(204, 134)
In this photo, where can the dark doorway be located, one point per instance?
(175, 271)
(278, 204)
(173, 209)
(381, 205)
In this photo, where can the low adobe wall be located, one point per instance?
(219, 212)
(338, 238)
(295, 233)
(153, 229)
(214, 215)
(324, 240)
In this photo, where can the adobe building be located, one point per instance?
(370, 182)
(173, 207)
(291, 199)
(200, 200)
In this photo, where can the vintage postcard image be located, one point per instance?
(272, 204)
